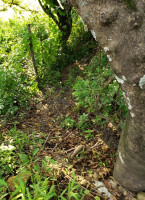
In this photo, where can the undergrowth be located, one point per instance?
(19, 84)
(26, 175)
(98, 96)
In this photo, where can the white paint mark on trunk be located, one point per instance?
(106, 49)
(132, 114)
(120, 80)
(142, 82)
(124, 78)
(128, 104)
(94, 34)
(121, 159)
(109, 58)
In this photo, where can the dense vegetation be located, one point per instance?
(97, 95)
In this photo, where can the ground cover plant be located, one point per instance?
(20, 155)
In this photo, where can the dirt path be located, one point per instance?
(90, 157)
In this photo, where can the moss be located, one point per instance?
(130, 4)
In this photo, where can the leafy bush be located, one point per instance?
(18, 79)
(17, 75)
(99, 92)
(15, 90)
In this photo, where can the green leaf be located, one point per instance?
(24, 158)
(52, 161)
(22, 186)
(37, 168)
(2, 183)
(86, 191)
(35, 151)
(97, 198)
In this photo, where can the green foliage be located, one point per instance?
(83, 122)
(8, 159)
(15, 90)
(80, 41)
(18, 79)
(73, 187)
(89, 134)
(68, 123)
(19, 154)
(98, 94)
(18, 82)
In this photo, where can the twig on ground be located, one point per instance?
(77, 150)
(46, 140)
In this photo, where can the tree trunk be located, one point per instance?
(32, 54)
(119, 27)
(63, 19)
(65, 25)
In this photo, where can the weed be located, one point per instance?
(83, 122)
(68, 123)
(89, 134)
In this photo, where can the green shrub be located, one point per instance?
(15, 90)
(98, 92)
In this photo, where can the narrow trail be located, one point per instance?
(92, 158)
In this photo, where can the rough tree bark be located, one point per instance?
(120, 30)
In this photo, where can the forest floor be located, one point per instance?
(90, 155)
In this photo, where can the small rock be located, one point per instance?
(101, 188)
(37, 111)
(95, 176)
(84, 182)
(13, 180)
(11, 183)
(60, 139)
(122, 190)
(113, 183)
(141, 196)
(126, 198)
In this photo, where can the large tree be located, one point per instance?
(119, 27)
